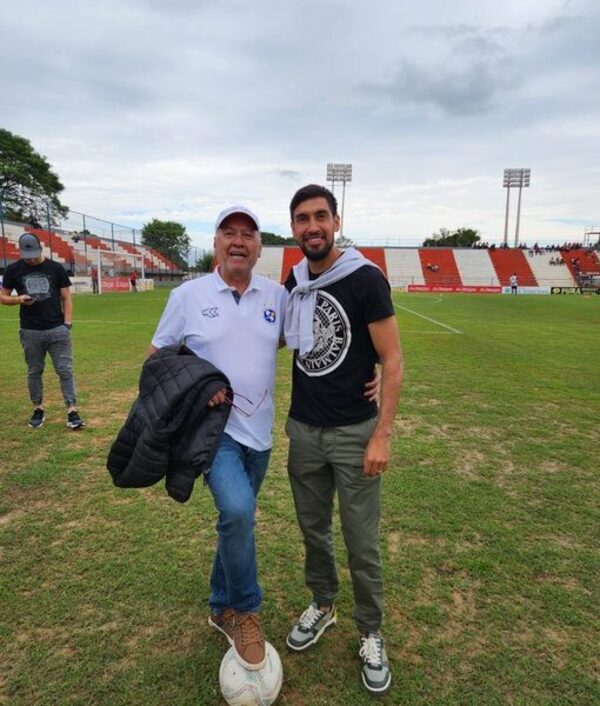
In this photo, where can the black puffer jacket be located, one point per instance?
(170, 430)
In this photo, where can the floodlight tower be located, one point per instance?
(343, 173)
(588, 233)
(512, 178)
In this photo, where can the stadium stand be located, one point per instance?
(60, 248)
(376, 255)
(439, 267)
(269, 264)
(404, 266)
(512, 260)
(547, 274)
(475, 267)
(587, 260)
(79, 253)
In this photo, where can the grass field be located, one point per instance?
(490, 531)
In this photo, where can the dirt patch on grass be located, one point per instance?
(11, 516)
(569, 583)
(407, 426)
(564, 541)
(397, 540)
(470, 463)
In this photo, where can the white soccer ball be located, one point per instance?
(242, 687)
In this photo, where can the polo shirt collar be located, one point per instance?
(223, 286)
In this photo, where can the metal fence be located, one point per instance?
(83, 241)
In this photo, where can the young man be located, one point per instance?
(46, 316)
(340, 321)
(514, 283)
(233, 318)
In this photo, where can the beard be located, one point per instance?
(317, 255)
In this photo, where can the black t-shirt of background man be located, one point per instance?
(328, 383)
(42, 282)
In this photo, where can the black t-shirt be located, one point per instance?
(43, 282)
(328, 383)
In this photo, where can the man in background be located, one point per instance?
(46, 317)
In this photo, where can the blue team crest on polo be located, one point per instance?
(269, 315)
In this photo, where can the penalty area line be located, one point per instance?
(433, 321)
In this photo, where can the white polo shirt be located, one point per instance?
(240, 339)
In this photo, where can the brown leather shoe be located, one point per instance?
(249, 641)
(244, 634)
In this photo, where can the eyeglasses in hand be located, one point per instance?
(243, 412)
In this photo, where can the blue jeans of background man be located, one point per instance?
(234, 479)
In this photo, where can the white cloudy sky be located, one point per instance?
(176, 108)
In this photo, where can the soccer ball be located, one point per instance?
(242, 687)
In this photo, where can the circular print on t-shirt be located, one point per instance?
(332, 337)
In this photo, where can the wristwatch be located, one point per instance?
(69, 326)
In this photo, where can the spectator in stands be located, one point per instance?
(46, 317)
(33, 222)
(514, 283)
(133, 281)
(94, 276)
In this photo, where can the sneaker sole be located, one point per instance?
(77, 425)
(35, 426)
(247, 665)
(301, 648)
(379, 691)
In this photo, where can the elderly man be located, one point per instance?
(340, 321)
(43, 291)
(233, 318)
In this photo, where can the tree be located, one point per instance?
(461, 238)
(272, 239)
(169, 238)
(27, 181)
(204, 263)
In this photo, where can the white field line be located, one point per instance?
(433, 321)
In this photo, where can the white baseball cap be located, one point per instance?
(237, 209)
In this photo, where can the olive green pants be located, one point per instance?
(322, 460)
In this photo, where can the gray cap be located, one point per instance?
(29, 246)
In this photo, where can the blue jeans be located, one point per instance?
(234, 479)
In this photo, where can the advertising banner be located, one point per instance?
(565, 290)
(460, 289)
(115, 284)
(527, 290)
